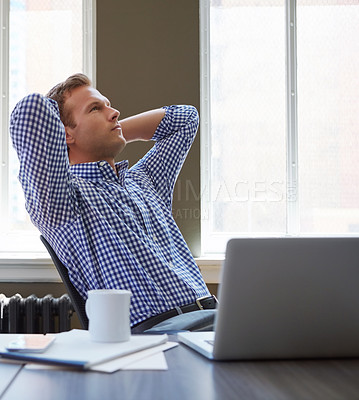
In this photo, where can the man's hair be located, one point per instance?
(62, 90)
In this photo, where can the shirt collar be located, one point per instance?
(101, 170)
(122, 168)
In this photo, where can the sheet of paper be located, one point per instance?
(156, 362)
(152, 359)
(140, 360)
(8, 373)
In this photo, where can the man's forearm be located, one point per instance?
(142, 126)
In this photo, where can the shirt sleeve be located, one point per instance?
(173, 139)
(38, 137)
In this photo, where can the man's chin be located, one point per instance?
(122, 147)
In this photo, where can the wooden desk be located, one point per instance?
(191, 376)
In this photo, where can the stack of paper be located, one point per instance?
(75, 349)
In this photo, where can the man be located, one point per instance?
(111, 226)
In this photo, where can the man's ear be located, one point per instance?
(69, 135)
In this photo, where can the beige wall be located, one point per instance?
(147, 57)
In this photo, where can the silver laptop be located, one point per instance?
(285, 298)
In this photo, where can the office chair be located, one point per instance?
(77, 301)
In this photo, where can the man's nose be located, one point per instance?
(115, 114)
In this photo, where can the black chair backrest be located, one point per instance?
(77, 301)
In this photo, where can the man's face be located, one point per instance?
(96, 134)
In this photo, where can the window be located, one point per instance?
(279, 119)
(42, 43)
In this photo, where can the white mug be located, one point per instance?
(108, 311)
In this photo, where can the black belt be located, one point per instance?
(202, 303)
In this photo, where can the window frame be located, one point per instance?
(292, 199)
(292, 203)
(18, 266)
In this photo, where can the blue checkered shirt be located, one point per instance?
(110, 230)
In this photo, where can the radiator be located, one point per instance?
(35, 315)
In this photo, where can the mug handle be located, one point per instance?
(88, 308)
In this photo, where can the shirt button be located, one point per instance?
(154, 238)
(171, 265)
(102, 163)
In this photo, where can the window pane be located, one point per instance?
(46, 44)
(328, 115)
(248, 147)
